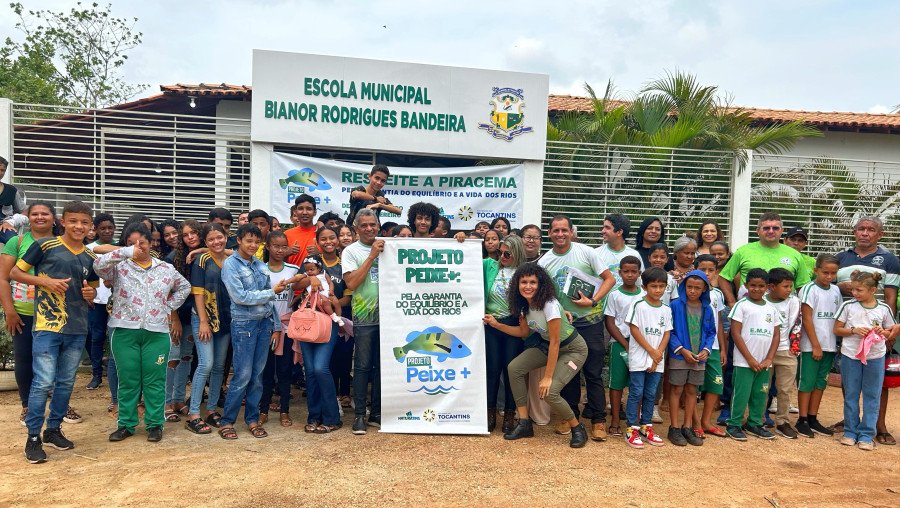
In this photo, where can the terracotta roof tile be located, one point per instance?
(562, 103)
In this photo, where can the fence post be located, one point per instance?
(532, 193)
(741, 182)
(6, 136)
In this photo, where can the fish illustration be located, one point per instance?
(435, 342)
(305, 177)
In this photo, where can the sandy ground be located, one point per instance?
(291, 468)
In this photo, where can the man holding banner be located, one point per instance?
(372, 196)
(360, 263)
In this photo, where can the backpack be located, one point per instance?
(309, 325)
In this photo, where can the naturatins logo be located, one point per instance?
(507, 114)
(408, 417)
(304, 177)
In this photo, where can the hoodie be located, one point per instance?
(680, 336)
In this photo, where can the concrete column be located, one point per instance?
(6, 136)
(532, 193)
(261, 175)
(741, 182)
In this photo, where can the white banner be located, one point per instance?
(431, 301)
(464, 195)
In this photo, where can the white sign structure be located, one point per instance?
(354, 103)
(431, 302)
(464, 195)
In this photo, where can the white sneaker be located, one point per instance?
(773, 407)
(794, 409)
(656, 417)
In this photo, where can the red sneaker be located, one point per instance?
(651, 437)
(634, 438)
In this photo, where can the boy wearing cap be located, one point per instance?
(796, 238)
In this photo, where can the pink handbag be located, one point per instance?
(309, 325)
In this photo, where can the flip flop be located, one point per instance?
(885, 438)
(715, 431)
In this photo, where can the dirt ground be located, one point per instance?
(291, 468)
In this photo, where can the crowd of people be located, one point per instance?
(752, 333)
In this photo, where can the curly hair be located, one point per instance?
(422, 208)
(546, 289)
(181, 252)
(168, 223)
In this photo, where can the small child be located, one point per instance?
(693, 334)
(713, 381)
(618, 303)
(650, 322)
(755, 329)
(820, 300)
(784, 366)
(327, 303)
(865, 323)
(659, 257)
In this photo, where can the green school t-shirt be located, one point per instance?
(22, 294)
(497, 305)
(755, 255)
(583, 258)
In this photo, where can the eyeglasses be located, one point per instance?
(505, 254)
(531, 238)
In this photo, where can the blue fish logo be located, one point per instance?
(305, 177)
(435, 342)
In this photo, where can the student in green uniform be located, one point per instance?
(145, 294)
(63, 279)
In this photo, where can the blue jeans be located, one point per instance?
(211, 357)
(177, 374)
(365, 365)
(865, 380)
(321, 396)
(250, 341)
(641, 392)
(97, 318)
(56, 359)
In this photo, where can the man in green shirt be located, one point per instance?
(767, 253)
(796, 238)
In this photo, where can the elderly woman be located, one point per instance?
(145, 293)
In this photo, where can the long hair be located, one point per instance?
(639, 241)
(163, 246)
(182, 250)
(516, 248)
(546, 289)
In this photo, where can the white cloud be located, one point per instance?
(879, 108)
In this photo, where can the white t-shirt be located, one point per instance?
(824, 304)
(611, 259)
(758, 322)
(653, 322)
(854, 314)
(282, 300)
(618, 303)
(717, 303)
(583, 258)
(671, 290)
(789, 309)
(103, 292)
(324, 292)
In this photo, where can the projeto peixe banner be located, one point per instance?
(431, 302)
(464, 195)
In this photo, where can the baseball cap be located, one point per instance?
(797, 231)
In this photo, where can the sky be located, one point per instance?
(795, 54)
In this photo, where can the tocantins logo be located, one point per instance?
(507, 114)
(428, 415)
(465, 213)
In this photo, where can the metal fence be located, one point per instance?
(826, 196)
(682, 187)
(124, 162)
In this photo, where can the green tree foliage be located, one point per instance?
(69, 58)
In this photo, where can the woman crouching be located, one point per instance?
(532, 297)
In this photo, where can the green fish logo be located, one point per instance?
(305, 177)
(435, 342)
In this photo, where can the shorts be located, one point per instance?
(618, 366)
(681, 377)
(814, 374)
(713, 381)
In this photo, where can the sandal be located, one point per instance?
(228, 433)
(715, 431)
(184, 410)
(885, 438)
(274, 406)
(263, 418)
(310, 427)
(172, 416)
(258, 431)
(699, 433)
(286, 420)
(197, 426)
(615, 431)
(213, 419)
(325, 429)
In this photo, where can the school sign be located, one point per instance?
(354, 103)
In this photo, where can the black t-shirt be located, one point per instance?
(10, 201)
(67, 313)
(184, 312)
(358, 204)
(206, 280)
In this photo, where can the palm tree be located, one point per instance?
(673, 144)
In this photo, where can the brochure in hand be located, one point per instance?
(576, 281)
